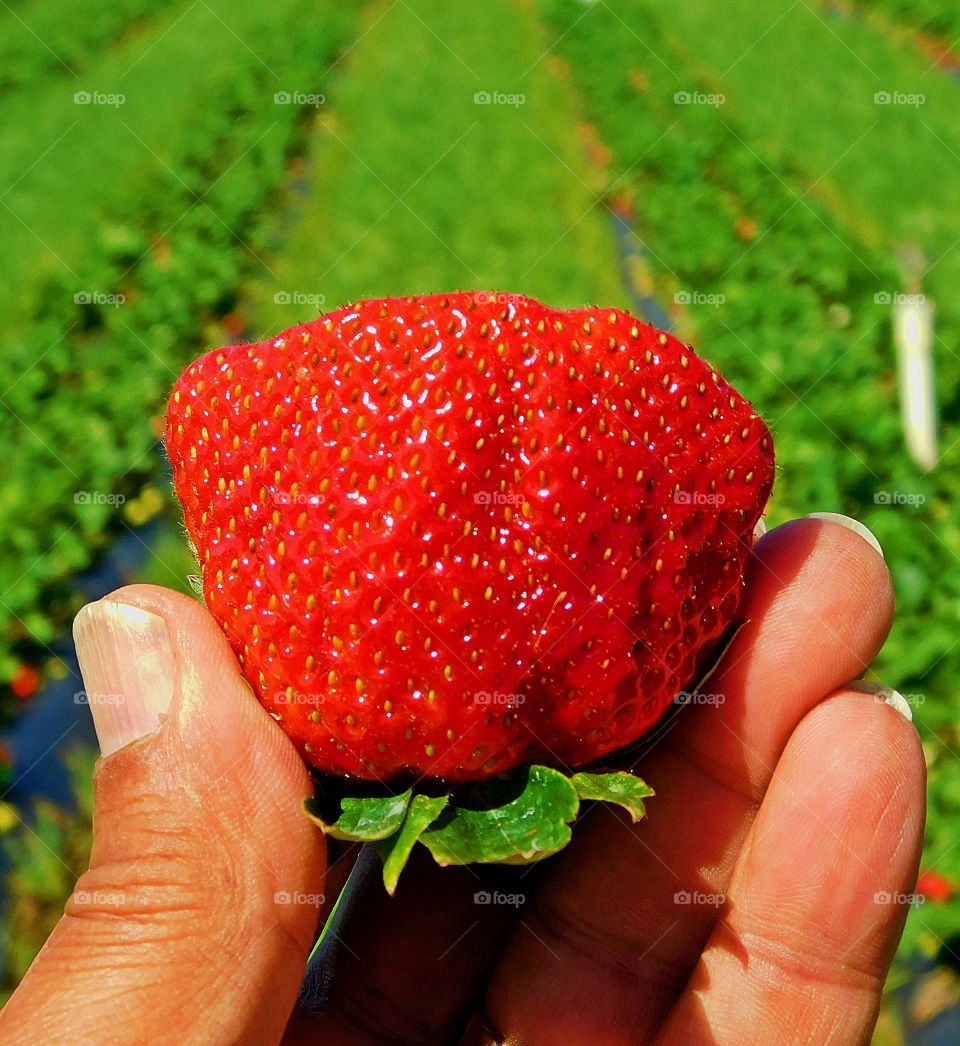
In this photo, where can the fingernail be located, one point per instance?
(851, 524)
(885, 695)
(126, 658)
(760, 529)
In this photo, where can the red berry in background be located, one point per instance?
(934, 886)
(25, 681)
(454, 534)
(235, 323)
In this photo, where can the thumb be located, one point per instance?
(196, 916)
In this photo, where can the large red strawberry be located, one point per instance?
(450, 535)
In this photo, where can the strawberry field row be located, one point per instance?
(59, 37)
(467, 195)
(873, 135)
(119, 249)
(940, 17)
(780, 294)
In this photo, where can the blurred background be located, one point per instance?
(777, 183)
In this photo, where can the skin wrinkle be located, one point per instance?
(774, 959)
(600, 949)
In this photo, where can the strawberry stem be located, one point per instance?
(314, 989)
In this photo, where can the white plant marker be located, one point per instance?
(913, 334)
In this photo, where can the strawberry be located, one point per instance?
(25, 681)
(933, 886)
(452, 535)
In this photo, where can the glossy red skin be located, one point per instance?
(450, 535)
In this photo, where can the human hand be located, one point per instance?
(745, 909)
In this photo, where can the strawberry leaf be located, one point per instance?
(618, 787)
(422, 811)
(514, 819)
(363, 819)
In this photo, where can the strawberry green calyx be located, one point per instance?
(517, 818)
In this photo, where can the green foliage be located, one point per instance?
(45, 851)
(932, 16)
(41, 38)
(419, 187)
